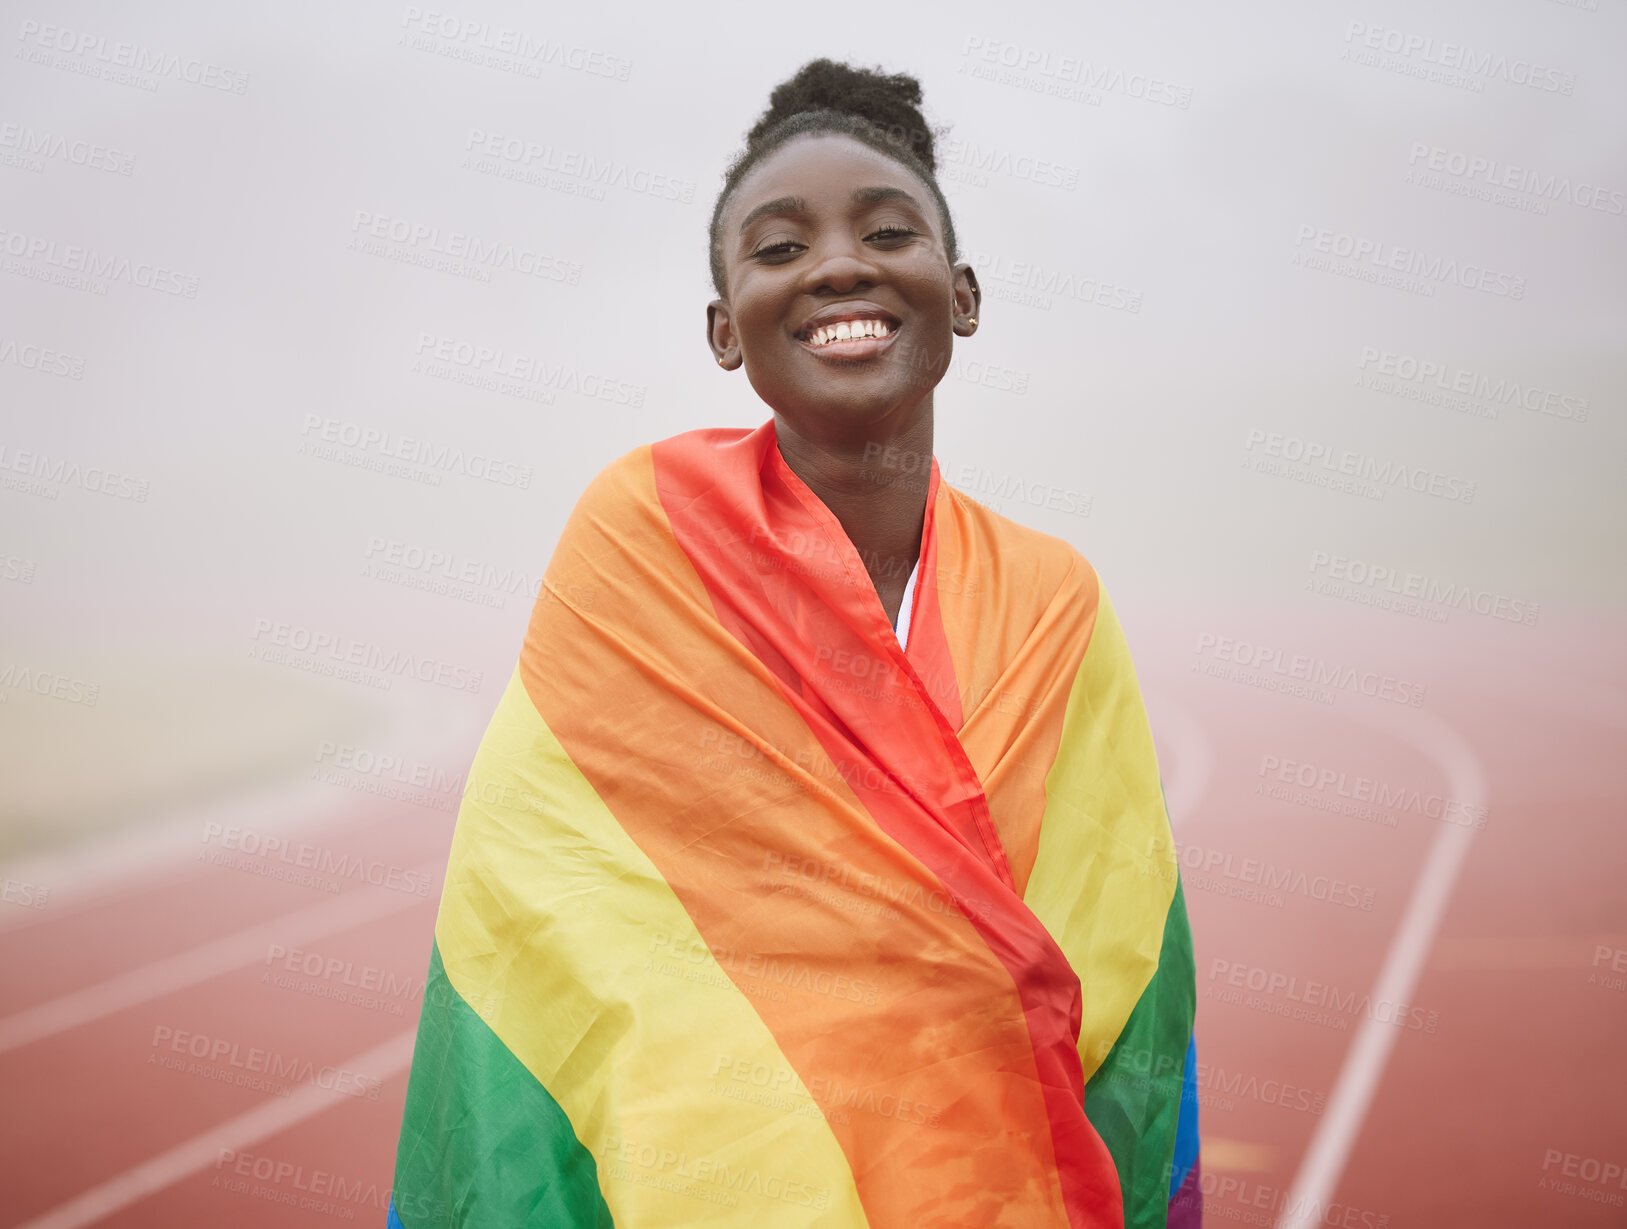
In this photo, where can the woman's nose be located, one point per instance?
(841, 264)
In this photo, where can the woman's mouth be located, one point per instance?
(850, 340)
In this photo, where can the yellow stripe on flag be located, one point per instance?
(559, 931)
(1105, 872)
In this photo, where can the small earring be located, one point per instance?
(721, 363)
(971, 319)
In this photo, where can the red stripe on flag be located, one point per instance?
(789, 585)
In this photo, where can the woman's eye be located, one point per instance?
(786, 246)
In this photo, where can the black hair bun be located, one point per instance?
(892, 102)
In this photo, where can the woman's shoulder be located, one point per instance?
(632, 472)
(619, 473)
(1051, 561)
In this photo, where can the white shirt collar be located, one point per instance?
(902, 628)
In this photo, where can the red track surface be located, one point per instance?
(1508, 1071)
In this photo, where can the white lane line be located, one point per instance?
(235, 1134)
(162, 846)
(1352, 1095)
(159, 851)
(223, 955)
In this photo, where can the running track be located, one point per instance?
(1506, 1070)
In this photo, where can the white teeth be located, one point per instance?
(848, 330)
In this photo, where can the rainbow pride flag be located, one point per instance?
(755, 918)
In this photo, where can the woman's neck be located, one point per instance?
(877, 489)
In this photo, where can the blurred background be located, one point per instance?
(1304, 323)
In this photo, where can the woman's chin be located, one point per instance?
(827, 418)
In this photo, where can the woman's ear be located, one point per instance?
(968, 300)
(720, 335)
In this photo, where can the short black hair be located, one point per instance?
(882, 110)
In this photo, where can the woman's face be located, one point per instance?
(823, 231)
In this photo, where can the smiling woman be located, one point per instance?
(814, 868)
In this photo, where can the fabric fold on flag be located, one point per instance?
(756, 916)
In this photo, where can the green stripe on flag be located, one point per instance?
(482, 1142)
(1134, 1099)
